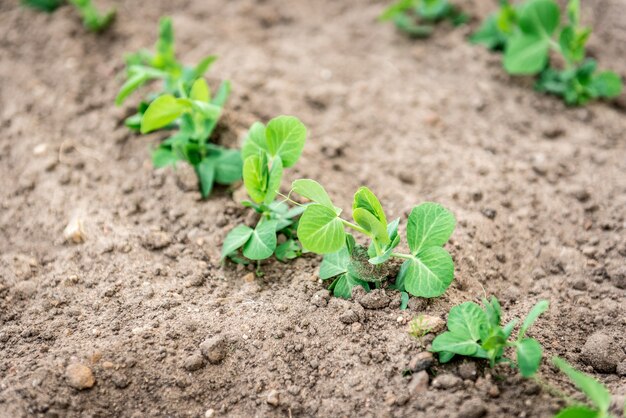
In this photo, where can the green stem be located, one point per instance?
(288, 199)
(400, 255)
(354, 226)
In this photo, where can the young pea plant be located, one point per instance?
(92, 18)
(528, 33)
(476, 332)
(195, 113)
(496, 30)
(416, 17)
(596, 392)
(144, 66)
(427, 270)
(267, 150)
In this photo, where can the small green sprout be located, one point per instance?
(267, 151)
(596, 392)
(144, 66)
(476, 332)
(530, 31)
(195, 113)
(419, 327)
(92, 19)
(416, 17)
(427, 270)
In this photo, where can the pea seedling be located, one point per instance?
(195, 113)
(530, 31)
(92, 19)
(144, 66)
(416, 17)
(477, 332)
(596, 392)
(267, 150)
(427, 270)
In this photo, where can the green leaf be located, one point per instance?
(493, 311)
(528, 356)
(342, 286)
(162, 157)
(595, 391)
(397, 8)
(532, 316)
(228, 167)
(313, 191)
(200, 91)
(365, 199)
(47, 6)
(489, 34)
(320, 230)
(203, 66)
(288, 250)
(468, 321)
(578, 412)
(573, 12)
(429, 275)
(371, 224)
(508, 329)
(334, 264)
(255, 177)
(429, 225)
(206, 175)
(404, 300)
(262, 242)
(386, 255)
(453, 343)
(607, 84)
(445, 356)
(540, 18)
(285, 137)
(223, 91)
(526, 54)
(235, 240)
(274, 179)
(208, 110)
(133, 83)
(255, 142)
(161, 112)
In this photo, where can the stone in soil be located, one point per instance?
(602, 352)
(79, 376)
(320, 298)
(376, 299)
(193, 362)
(273, 398)
(214, 349)
(472, 408)
(446, 381)
(421, 361)
(418, 383)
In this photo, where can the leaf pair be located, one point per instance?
(92, 19)
(595, 391)
(408, 14)
(476, 332)
(267, 151)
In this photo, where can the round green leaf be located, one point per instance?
(255, 177)
(526, 54)
(540, 18)
(274, 179)
(364, 198)
(161, 112)
(255, 143)
(228, 167)
(313, 191)
(200, 91)
(429, 225)
(285, 137)
(235, 239)
(162, 157)
(428, 276)
(607, 84)
(334, 264)
(528, 356)
(469, 321)
(371, 224)
(262, 242)
(320, 230)
(453, 343)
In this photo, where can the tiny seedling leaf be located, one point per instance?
(255, 142)
(468, 321)
(532, 316)
(453, 343)
(200, 91)
(528, 356)
(228, 167)
(255, 176)
(262, 242)
(429, 225)
(335, 263)
(235, 239)
(371, 224)
(313, 191)
(595, 391)
(161, 112)
(273, 182)
(320, 230)
(206, 175)
(578, 412)
(365, 199)
(285, 137)
(429, 275)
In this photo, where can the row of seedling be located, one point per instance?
(535, 39)
(289, 226)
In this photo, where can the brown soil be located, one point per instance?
(539, 191)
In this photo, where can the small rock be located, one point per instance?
(193, 362)
(489, 213)
(376, 299)
(422, 361)
(418, 383)
(417, 304)
(446, 381)
(467, 370)
(249, 278)
(120, 380)
(273, 398)
(214, 349)
(349, 316)
(472, 408)
(210, 413)
(601, 352)
(427, 324)
(485, 385)
(320, 298)
(553, 132)
(621, 368)
(156, 240)
(74, 231)
(79, 376)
